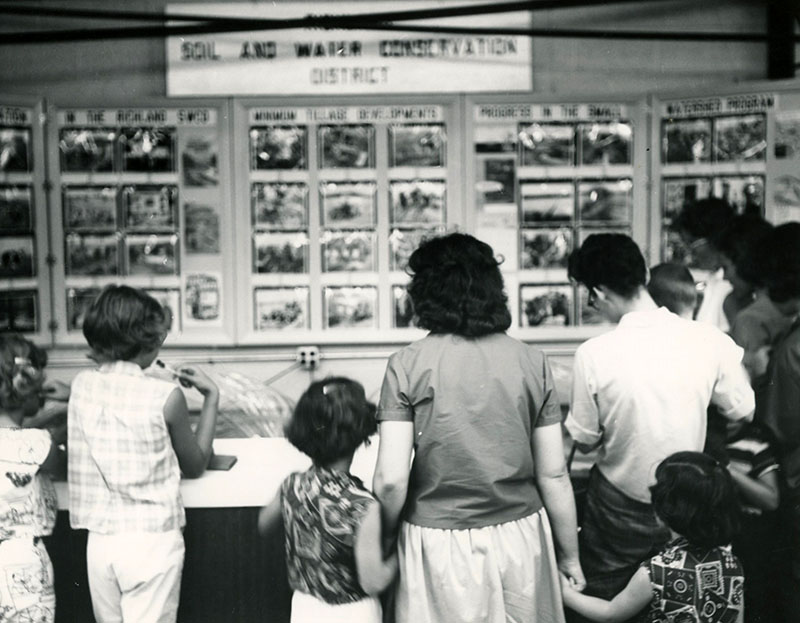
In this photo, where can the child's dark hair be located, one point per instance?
(331, 420)
(21, 370)
(672, 286)
(123, 322)
(457, 287)
(696, 497)
(610, 260)
(742, 242)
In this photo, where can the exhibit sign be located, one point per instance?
(322, 62)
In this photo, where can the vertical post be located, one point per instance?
(780, 44)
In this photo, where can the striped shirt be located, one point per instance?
(123, 472)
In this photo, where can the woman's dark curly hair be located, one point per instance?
(696, 497)
(21, 370)
(123, 322)
(331, 420)
(457, 287)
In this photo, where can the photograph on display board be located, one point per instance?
(786, 191)
(745, 193)
(281, 308)
(606, 201)
(16, 209)
(348, 204)
(278, 147)
(170, 300)
(499, 180)
(351, 307)
(150, 208)
(18, 311)
(547, 202)
(277, 205)
(680, 191)
(351, 251)
(78, 302)
(417, 202)
(201, 230)
(420, 145)
(92, 255)
(605, 143)
(89, 208)
(403, 242)
(544, 305)
(152, 255)
(202, 298)
(200, 161)
(743, 137)
(149, 150)
(346, 146)
(403, 316)
(787, 136)
(280, 253)
(686, 141)
(496, 139)
(17, 256)
(547, 144)
(87, 150)
(545, 248)
(15, 150)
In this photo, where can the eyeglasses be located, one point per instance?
(591, 301)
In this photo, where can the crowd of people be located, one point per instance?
(691, 511)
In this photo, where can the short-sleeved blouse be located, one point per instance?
(474, 403)
(28, 504)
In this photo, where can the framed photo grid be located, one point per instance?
(733, 138)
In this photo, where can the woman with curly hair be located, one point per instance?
(480, 412)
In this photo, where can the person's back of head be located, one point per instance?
(21, 372)
(123, 322)
(696, 497)
(456, 287)
(782, 266)
(610, 260)
(741, 242)
(672, 286)
(331, 420)
(704, 218)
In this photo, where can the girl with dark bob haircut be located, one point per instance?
(123, 322)
(457, 287)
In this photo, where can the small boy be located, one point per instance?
(672, 286)
(129, 440)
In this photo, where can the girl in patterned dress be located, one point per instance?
(696, 577)
(27, 498)
(334, 557)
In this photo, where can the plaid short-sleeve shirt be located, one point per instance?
(123, 473)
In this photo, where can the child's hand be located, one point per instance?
(190, 376)
(56, 390)
(759, 361)
(566, 583)
(571, 571)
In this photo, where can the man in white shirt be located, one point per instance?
(640, 393)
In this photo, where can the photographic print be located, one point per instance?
(403, 309)
(15, 150)
(496, 139)
(279, 205)
(417, 145)
(686, 141)
(499, 180)
(150, 208)
(351, 307)
(92, 255)
(352, 251)
(150, 150)
(346, 146)
(546, 144)
(547, 202)
(606, 143)
(170, 300)
(280, 253)
(281, 308)
(152, 255)
(787, 136)
(17, 256)
(403, 242)
(740, 138)
(78, 302)
(200, 161)
(16, 209)
(202, 298)
(546, 248)
(348, 204)
(90, 207)
(87, 150)
(683, 190)
(202, 228)
(18, 311)
(278, 147)
(606, 201)
(744, 193)
(417, 202)
(545, 305)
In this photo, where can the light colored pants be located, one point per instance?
(309, 609)
(26, 582)
(135, 577)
